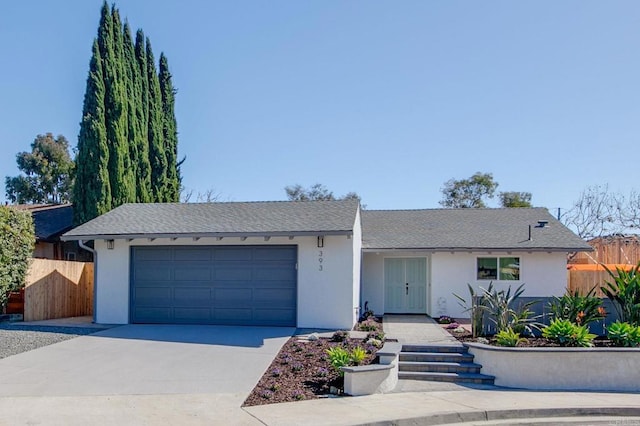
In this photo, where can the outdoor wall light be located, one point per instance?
(320, 242)
(110, 244)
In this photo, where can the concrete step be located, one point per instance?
(447, 377)
(444, 348)
(436, 357)
(440, 367)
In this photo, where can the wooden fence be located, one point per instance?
(584, 277)
(615, 249)
(58, 289)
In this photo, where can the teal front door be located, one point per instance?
(405, 283)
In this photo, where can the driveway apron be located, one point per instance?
(146, 359)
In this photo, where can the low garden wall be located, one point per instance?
(374, 378)
(601, 369)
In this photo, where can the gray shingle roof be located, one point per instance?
(219, 219)
(51, 222)
(466, 229)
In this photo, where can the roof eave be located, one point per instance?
(87, 237)
(477, 249)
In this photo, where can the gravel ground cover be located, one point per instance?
(16, 338)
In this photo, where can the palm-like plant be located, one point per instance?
(577, 308)
(624, 292)
(503, 311)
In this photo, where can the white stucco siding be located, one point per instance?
(112, 283)
(373, 281)
(357, 266)
(543, 274)
(326, 297)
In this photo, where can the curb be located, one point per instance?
(490, 415)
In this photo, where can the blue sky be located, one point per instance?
(388, 99)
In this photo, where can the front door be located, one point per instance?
(405, 283)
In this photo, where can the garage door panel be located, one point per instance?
(192, 274)
(273, 297)
(274, 253)
(233, 253)
(237, 315)
(269, 316)
(192, 314)
(154, 315)
(153, 273)
(193, 254)
(275, 274)
(235, 274)
(232, 296)
(154, 253)
(186, 296)
(249, 285)
(152, 296)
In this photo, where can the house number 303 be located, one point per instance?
(320, 259)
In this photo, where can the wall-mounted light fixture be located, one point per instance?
(320, 241)
(110, 244)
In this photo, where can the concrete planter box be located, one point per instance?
(601, 369)
(374, 378)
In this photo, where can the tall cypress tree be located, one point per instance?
(142, 114)
(127, 146)
(121, 171)
(157, 156)
(92, 190)
(138, 144)
(170, 131)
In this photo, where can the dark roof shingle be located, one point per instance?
(466, 229)
(269, 217)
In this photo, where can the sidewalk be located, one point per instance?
(436, 408)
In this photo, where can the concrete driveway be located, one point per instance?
(153, 368)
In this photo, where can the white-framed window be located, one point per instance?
(502, 268)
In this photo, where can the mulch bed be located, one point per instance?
(301, 370)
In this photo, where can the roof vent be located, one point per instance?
(542, 224)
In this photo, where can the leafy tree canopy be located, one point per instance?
(17, 238)
(515, 199)
(468, 193)
(48, 173)
(317, 192)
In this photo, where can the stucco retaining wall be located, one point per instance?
(374, 378)
(595, 369)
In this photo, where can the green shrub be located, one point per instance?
(568, 334)
(339, 357)
(340, 336)
(508, 337)
(501, 308)
(475, 309)
(378, 335)
(369, 325)
(17, 239)
(358, 355)
(624, 292)
(624, 334)
(576, 308)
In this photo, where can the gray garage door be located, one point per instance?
(231, 285)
